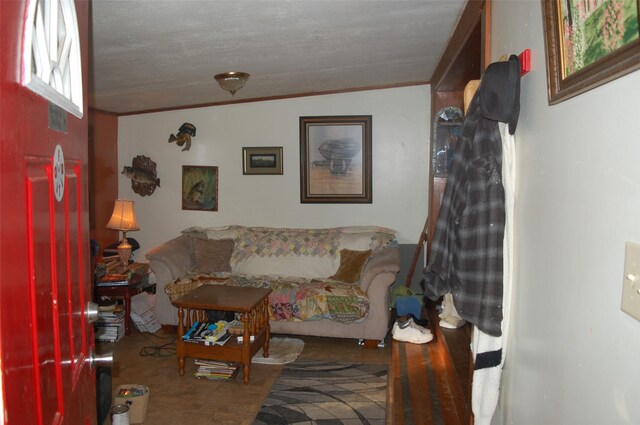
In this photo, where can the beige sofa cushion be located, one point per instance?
(221, 232)
(367, 229)
(362, 241)
(307, 253)
(356, 241)
(291, 265)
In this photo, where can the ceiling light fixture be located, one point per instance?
(232, 81)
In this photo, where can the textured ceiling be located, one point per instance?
(157, 54)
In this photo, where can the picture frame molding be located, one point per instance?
(249, 169)
(622, 61)
(366, 195)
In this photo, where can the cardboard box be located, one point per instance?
(136, 397)
(143, 312)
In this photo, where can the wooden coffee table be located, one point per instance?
(252, 303)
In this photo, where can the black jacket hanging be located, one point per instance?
(467, 251)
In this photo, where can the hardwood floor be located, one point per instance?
(187, 400)
(425, 386)
(428, 382)
(447, 388)
(457, 344)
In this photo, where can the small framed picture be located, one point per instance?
(262, 160)
(199, 188)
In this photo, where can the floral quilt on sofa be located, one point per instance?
(292, 298)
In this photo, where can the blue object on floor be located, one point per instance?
(408, 305)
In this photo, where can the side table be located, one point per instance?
(124, 292)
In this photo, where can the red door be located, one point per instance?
(46, 340)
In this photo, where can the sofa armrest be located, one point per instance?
(386, 261)
(174, 257)
(168, 262)
(378, 275)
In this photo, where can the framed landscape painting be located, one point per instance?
(589, 43)
(335, 159)
(259, 160)
(199, 188)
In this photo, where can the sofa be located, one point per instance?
(331, 282)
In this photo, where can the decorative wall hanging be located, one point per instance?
(143, 175)
(335, 159)
(589, 44)
(185, 132)
(199, 188)
(262, 160)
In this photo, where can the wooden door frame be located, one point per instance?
(464, 59)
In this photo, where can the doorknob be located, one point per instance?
(99, 360)
(92, 311)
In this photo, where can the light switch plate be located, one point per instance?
(631, 280)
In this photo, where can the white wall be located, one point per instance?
(573, 355)
(400, 164)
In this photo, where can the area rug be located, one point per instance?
(321, 392)
(281, 351)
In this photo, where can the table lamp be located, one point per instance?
(123, 219)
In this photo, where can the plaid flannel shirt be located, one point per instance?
(467, 249)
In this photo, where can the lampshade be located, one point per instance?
(232, 81)
(123, 217)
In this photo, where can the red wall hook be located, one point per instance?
(525, 61)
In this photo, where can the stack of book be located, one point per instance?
(211, 369)
(208, 333)
(112, 263)
(110, 324)
(113, 280)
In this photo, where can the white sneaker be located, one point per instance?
(410, 323)
(451, 322)
(410, 332)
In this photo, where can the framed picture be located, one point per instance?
(589, 43)
(335, 159)
(199, 188)
(262, 160)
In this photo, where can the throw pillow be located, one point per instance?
(212, 255)
(351, 265)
